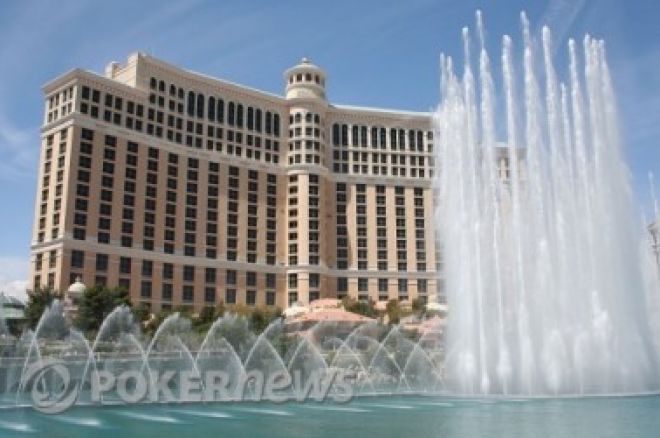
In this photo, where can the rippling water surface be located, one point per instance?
(382, 417)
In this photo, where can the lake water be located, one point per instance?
(637, 416)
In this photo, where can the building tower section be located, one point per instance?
(307, 177)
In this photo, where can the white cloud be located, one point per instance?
(13, 276)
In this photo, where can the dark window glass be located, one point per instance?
(230, 113)
(125, 265)
(77, 259)
(200, 106)
(191, 104)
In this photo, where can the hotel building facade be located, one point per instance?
(191, 191)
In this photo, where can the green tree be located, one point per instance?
(152, 324)
(361, 307)
(203, 321)
(261, 317)
(142, 312)
(96, 303)
(38, 300)
(418, 306)
(220, 310)
(207, 314)
(394, 311)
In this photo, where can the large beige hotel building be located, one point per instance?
(191, 191)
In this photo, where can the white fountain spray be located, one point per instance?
(654, 199)
(545, 281)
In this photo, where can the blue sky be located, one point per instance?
(376, 53)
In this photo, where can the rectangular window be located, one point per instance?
(210, 275)
(168, 271)
(251, 278)
(209, 295)
(231, 277)
(167, 292)
(270, 280)
(188, 273)
(125, 265)
(230, 296)
(77, 259)
(188, 293)
(382, 285)
(145, 289)
(293, 281)
(147, 268)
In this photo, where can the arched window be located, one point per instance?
(211, 113)
(239, 115)
(335, 134)
(393, 138)
(181, 93)
(298, 117)
(172, 90)
(221, 111)
(153, 83)
(276, 125)
(250, 118)
(308, 117)
(308, 77)
(230, 113)
(161, 86)
(191, 103)
(200, 106)
(269, 122)
(317, 119)
(344, 135)
(257, 120)
(298, 77)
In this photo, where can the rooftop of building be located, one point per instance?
(10, 301)
(114, 69)
(11, 307)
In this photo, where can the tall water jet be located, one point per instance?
(217, 353)
(655, 207)
(546, 279)
(115, 349)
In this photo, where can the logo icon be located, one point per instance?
(50, 382)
